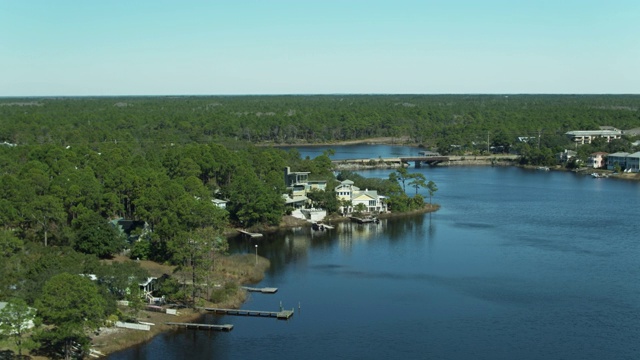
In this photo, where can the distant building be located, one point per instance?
(586, 136)
(633, 162)
(299, 184)
(619, 158)
(597, 160)
(632, 132)
(428, 153)
(565, 156)
(222, 204)
(292, 178)
(296, 202)
(527, 139)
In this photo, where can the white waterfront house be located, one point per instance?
(222, 204)
(348, 192)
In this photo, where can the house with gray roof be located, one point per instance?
(633, 162)
(619, 158)
(348, 192)
(632, 132)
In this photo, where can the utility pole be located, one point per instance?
(488, 148)
(539, 133)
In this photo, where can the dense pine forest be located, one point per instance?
(68, 165)
(458, 119)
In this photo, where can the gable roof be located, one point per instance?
(619, 154)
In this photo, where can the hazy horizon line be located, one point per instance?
(318, 94)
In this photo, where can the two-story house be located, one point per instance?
(347, 192)
(619, 158)
(597, 160)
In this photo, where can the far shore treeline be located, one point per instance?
(70, 165)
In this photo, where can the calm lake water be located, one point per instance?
(517, 264)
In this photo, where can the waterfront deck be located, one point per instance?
(282, 314)
(225, 327)
(264, 290)
(250, 234)
(366, 220)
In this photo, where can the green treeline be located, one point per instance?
(433, 120)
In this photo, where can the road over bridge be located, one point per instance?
(429, 160)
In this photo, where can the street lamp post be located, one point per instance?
(256, 254)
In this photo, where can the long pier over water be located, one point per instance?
(282, 314)
(225, 327)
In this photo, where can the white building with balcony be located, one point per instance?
(587, 136)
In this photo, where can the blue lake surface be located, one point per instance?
(517, 264)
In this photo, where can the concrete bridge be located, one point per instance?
(394, 162)
(390, 163)
(429, 160)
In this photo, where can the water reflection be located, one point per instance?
(515, 264)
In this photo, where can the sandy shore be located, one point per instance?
(240, 269)
(112, 339)
(403, 140)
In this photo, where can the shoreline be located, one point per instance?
(402, 140)
(112, 340)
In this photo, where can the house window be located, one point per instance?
(372, 203)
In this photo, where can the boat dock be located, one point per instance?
(250, 234)
(265, 290)
(364, 220)
(225, 327)
(282, 314)
(318, 226)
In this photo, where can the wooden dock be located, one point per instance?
(282, 315)
(225, 327)
(366, 220)
(253, 235)
(265, 290)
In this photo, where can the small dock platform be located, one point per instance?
(265, 290)
(318, 226)
(225, 327)
(367, 220)
(282, 315)
(250, 234)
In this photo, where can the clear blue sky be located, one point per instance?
(139, 47)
